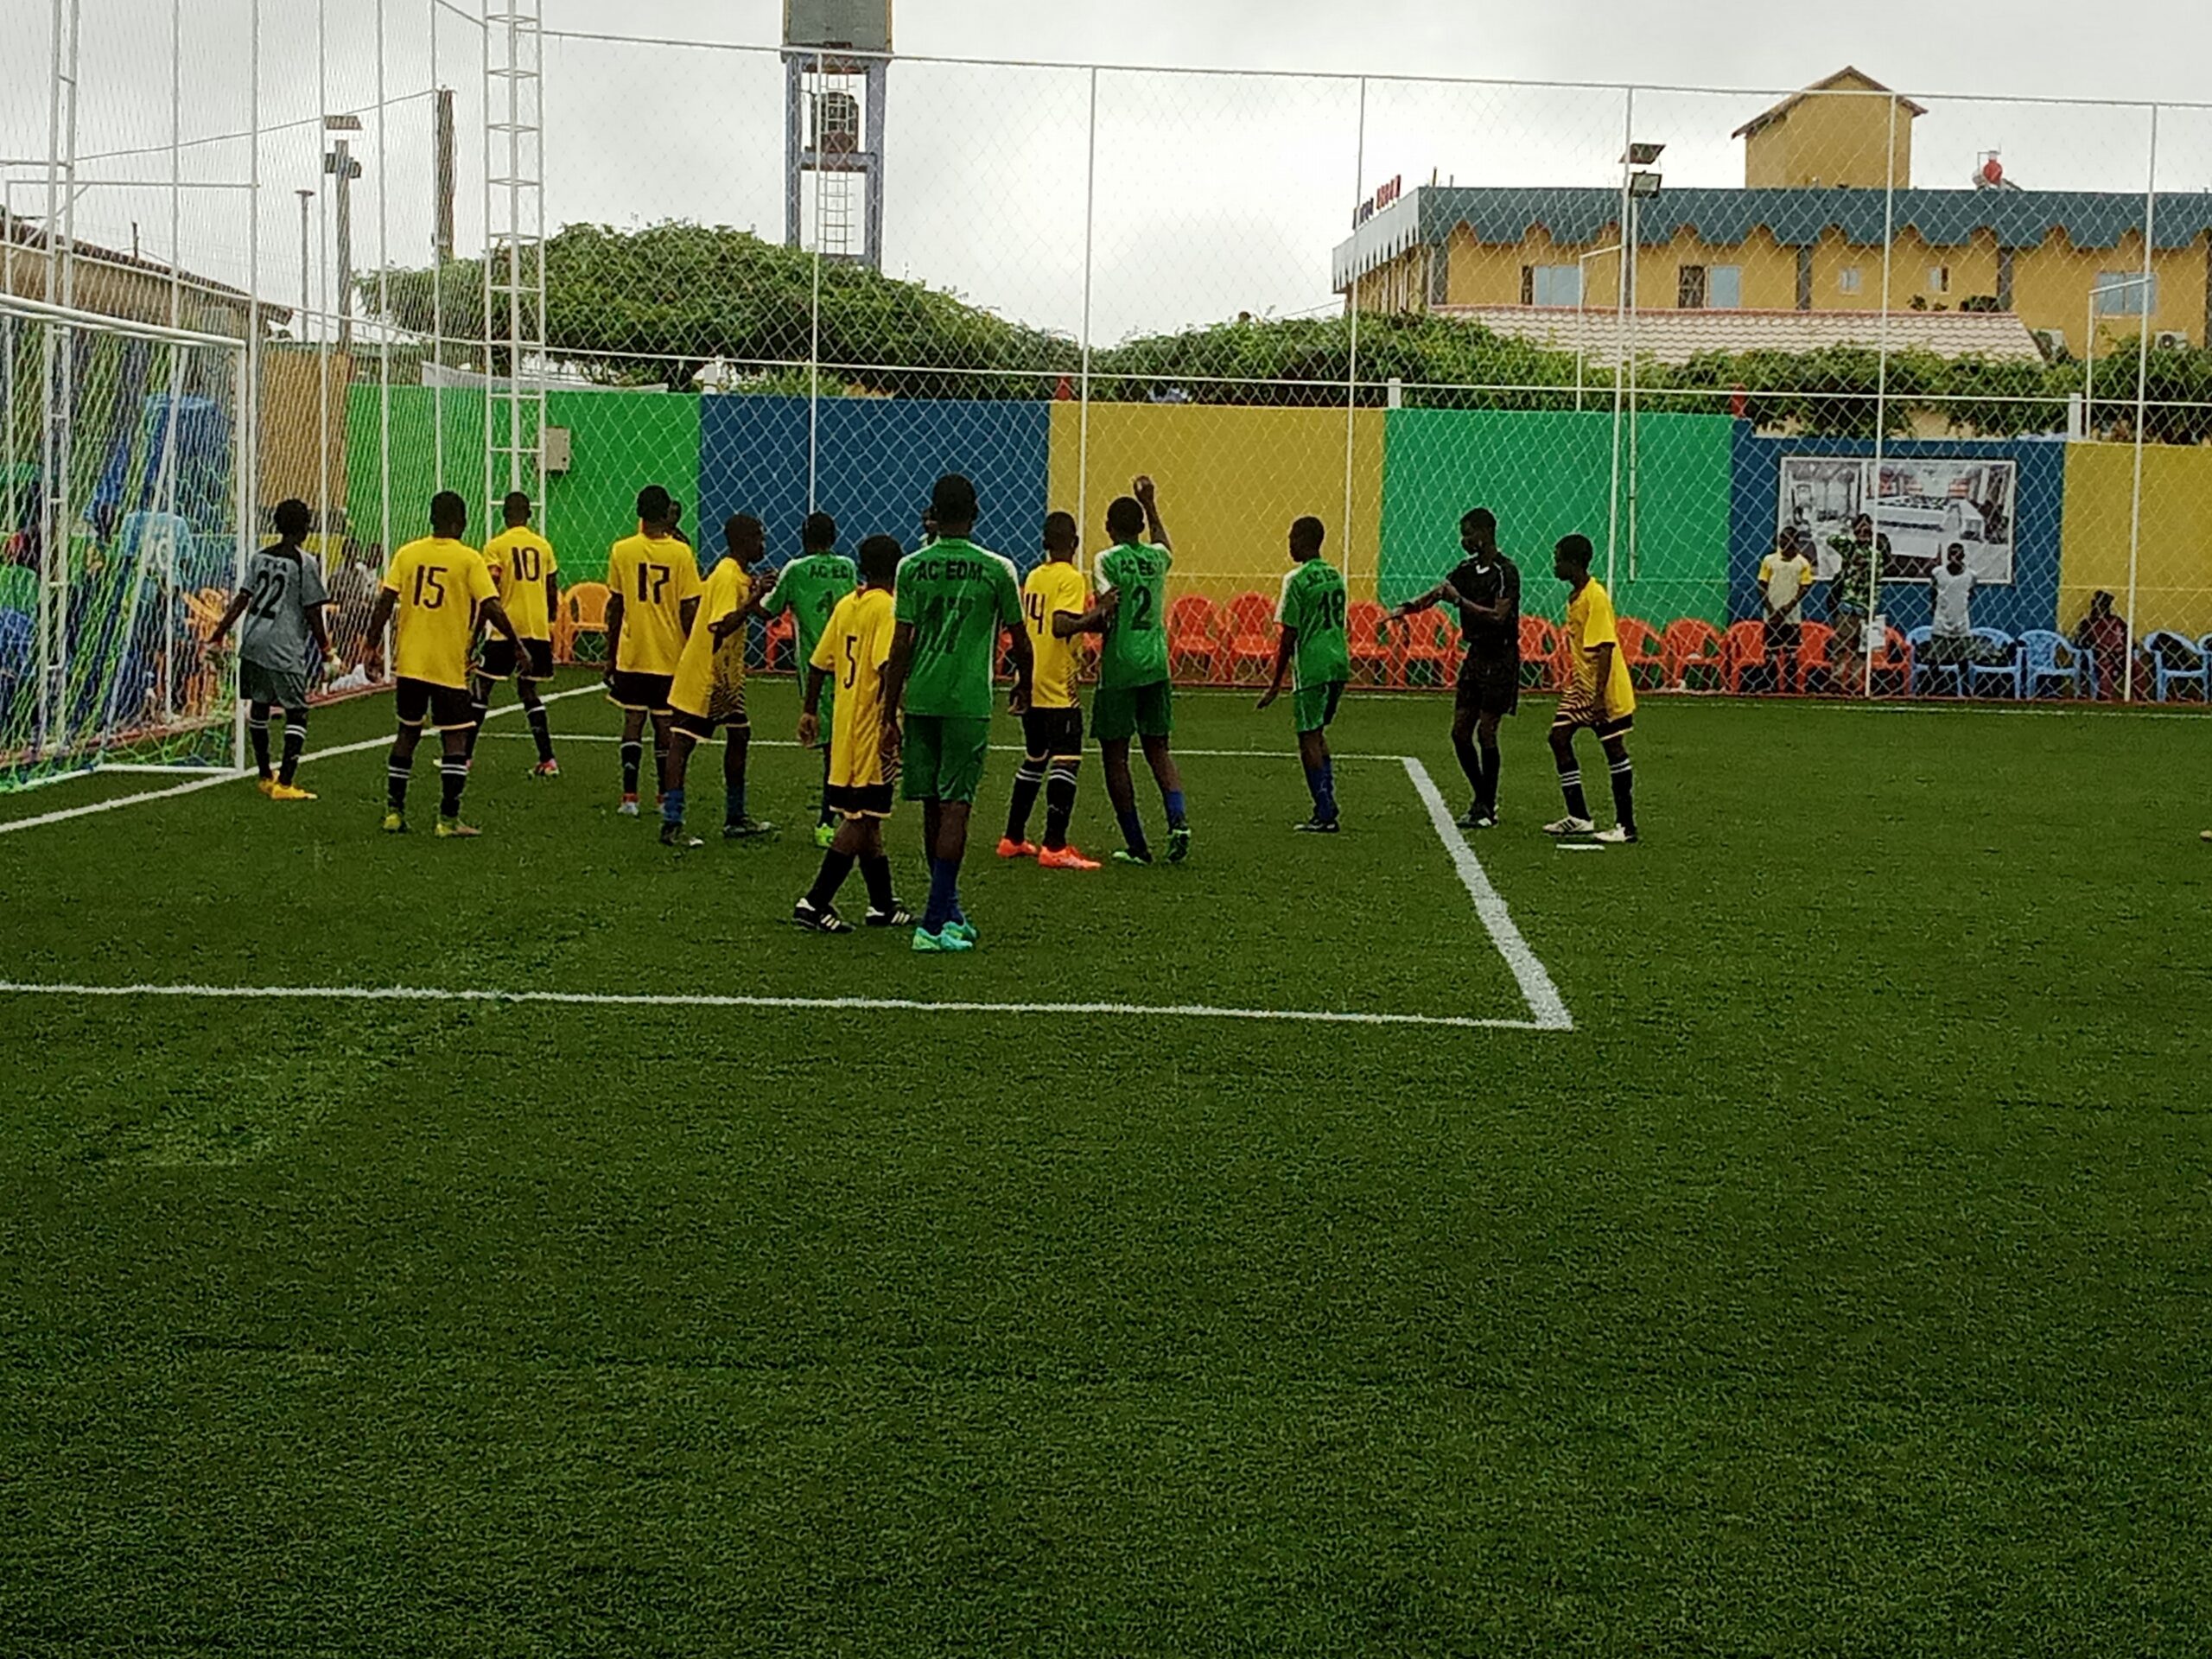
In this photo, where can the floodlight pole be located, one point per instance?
(1581, 284)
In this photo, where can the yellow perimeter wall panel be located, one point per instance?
(2174, 567)
(1230, 482)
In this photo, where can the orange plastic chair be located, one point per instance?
(1193, 636)
(1367, 631)
(1432, 638)
(1252, 633)
(584, 610)
(1647, 663)
(1543, 655)
(1813, 671)
(1691, 645)
(1894, 659)
(1742, 649)
(782, 634)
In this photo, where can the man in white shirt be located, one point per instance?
(1785, 575)
(1950, 640)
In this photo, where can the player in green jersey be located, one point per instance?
(809, 588)
(1314, 648)
(954, 599)
(1135, 698)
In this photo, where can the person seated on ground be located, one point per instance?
(2102, 637)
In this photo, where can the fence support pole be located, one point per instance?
(1083, 405)
(1351, 356)
(1620, 333)
(2147, 313)
(1881, 399)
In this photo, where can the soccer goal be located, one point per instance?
(121, 448)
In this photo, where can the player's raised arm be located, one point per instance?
(1148, 497)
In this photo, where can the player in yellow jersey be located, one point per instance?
(434, 595)
(855, 643)
(709, 686)
(652, 583)
(1599, 695)
(528, 577)
(1055, 608)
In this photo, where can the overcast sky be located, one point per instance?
(1211, 193)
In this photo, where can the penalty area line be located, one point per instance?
(708, 1000)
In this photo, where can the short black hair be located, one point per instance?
(448, 514)
(879, 560)
(653, 504)
(819, 533)
(516, 507)
(739, 524)
(1061, 531)
(1309, 532)
(1576, 551)
(953, 500)
(293, 519)
(1479, 519)
(1125, 519)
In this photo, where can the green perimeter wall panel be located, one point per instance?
(1546, 473)
(416, 412)
(619, 442)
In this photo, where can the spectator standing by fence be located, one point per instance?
(1785, 575)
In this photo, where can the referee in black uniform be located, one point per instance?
(1485, 588)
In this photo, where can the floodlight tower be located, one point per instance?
(836, 66)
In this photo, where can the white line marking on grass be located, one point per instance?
(13, 825)
(833, 1004)
(1543, 998)
(996, 748)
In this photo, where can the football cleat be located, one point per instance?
(747, 830)
(671, 835)
(454, 830)
(266, 785)
(964, 930)
(395, 823)
(947, 942)
(1009, 848)
(1178, 843)
(1064, 858)
(824, 834)
(822, 921)
(1470, 819)
(1618, 835)
(289, 792)
(1570, 826)
(1318, 827)
(1131, 855)
(629, 809)
(897, 916)
(546, 769)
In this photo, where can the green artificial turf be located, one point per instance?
(1842, 1283)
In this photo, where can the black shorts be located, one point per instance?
(496, 661)
(859, 800)
(645, 691)
(1052, 733)
(730, 711)
(1489, 685)
(1572, 719)
(448, 708)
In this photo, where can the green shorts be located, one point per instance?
(942, 759)
(1312, 707)
(1120, 712)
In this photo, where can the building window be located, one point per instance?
(1723, 288)
(2124, 294)
(1690, 288)
(1551, 284)
(1847, 280)
(1939, 279)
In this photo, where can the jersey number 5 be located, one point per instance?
(852, 661)
(429, 586)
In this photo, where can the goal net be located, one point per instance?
(120, 457)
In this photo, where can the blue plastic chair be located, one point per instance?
(2012, 672)
(2045, 655)
(1916, 643)
(2162, 643)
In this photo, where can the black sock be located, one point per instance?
(1570, 785)
(395, 771)
(1060, 802)
(876, 872)
(1028, 779)
(540, 729)
(1486, 791)
(453, 777)
(257, 727)
(1624, 793)
(835, 867)
(296, 740)
(632, 753)
(660, 766)
(1470, 762)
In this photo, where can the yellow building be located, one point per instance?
(1825, 191)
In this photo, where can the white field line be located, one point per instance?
(1543, 998)
(14, 825)
(828, 1004)
(996, 748)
